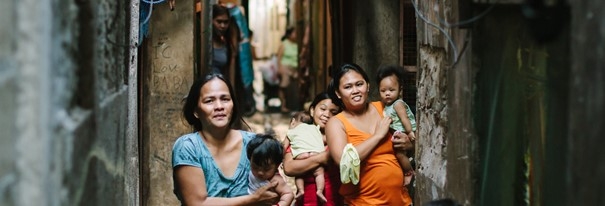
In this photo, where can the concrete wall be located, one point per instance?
(446, 147)
(374, 35)
(8, 103)
(520, 116)
(521, 80)
(167, 73)
(584, 186)
(65, 79)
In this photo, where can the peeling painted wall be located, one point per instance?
(432, 122)
(446, 145)
(64, 123)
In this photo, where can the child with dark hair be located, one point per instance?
(306, 140)
(266, 154)
(390, 87)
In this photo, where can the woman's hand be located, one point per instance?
(266, 194)
(401, 141)
(382, 127)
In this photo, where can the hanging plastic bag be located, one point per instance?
(269, 71)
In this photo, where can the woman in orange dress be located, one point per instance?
(361, 123)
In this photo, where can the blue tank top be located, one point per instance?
(219, 59)
(190, 150)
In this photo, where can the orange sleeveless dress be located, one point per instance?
(381, 178)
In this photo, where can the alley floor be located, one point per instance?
(264, 121)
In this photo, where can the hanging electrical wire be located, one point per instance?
(146, 8)
(446, 24)
(151, 3)
(445, 33)
(467, 21)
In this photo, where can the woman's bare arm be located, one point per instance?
(234, 38)
(233, 63)
(294, 167)
(337, 138)
(192, 185)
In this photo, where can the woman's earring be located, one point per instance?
(195, 114)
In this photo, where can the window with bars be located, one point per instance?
(409, 54)
(409, 35)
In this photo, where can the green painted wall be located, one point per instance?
(520, 93)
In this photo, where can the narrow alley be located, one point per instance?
(507, 99)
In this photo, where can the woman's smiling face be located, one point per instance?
(353, 90)
(323, 111)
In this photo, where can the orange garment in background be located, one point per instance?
(381, 178)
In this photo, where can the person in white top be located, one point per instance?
(266, 154)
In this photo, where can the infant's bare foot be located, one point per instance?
(299, 194)
(321, 196)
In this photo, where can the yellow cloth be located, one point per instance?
(349, 165)
(381, 179)
(305, 138)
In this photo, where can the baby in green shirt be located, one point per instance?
(306, 140)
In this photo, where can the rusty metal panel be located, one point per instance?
(168, 71)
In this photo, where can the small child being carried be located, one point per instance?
(266, 154)
(306, 140)
(390, 86)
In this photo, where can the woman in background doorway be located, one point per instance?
(287, 59)
(224, 49)
(231, 52)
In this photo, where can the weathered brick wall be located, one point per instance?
(64, 82)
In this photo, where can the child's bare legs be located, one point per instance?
(300, 187)
(403, 160)
(320, 183)
(299, 181)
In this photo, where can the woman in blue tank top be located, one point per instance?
(210, 166)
